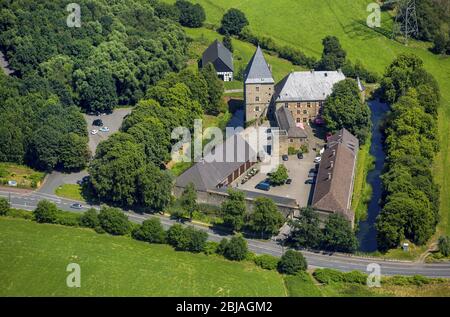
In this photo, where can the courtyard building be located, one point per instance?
(221, 58)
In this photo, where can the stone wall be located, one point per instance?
(257, 100)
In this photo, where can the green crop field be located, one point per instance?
(34, 257)
(304, 23)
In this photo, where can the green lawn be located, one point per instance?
(23, 175)
(304, 23)
(34, 257)
(70, 191)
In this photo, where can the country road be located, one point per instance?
(28, 201)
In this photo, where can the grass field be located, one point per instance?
(304, 23)
(70, 191)
(23, 175)
(34, 257)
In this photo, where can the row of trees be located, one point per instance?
(345, 109)
(336, 235)
(120, 50)
(129, 167)
(38, 129)
(411, 198)
(265, 218)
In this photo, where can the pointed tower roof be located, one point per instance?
(258, 71)
(360, 84)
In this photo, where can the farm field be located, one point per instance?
(346, 19)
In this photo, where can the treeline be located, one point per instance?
(129, 167)
(38, 129)
(182, 238)
(120, 50)
(411, 198)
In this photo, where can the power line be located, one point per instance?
(406, 19)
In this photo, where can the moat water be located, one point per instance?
(367, 232)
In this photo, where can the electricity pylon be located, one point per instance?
(406, 19)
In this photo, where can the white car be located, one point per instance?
(94, 132)
(104, 129)
(317, 159)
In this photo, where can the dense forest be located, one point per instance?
(121, 49)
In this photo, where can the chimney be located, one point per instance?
(329, 176)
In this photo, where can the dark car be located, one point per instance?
(289, 181)
(98, 122)
(76, 206)
(312, 174)
(309, 181)
(300, 156)
(285, 157)
(263, 186)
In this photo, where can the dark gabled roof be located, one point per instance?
(218, 164)
(219, 56)
(257, 71)
(286, 122)
(334, 183)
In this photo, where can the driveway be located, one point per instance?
(298, 171)
(113, 121)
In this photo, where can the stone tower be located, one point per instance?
(259, 87)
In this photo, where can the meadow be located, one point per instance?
(304, 23)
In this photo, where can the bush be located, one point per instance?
(175, 235)
(90, 219)
(233, 21)
(99, 230)
(236, 249)
(4, 206)
(67, 218)
(150, 231)
(292, 262)
(327, 276)
(114, 221)
(355, 277)
(222, 246)
(210, 247)
(45, 212)
(399, 280)
(186, 239)
(20, 213)
(267, 262)
(191, 15)
(444, 245)
(292, 150)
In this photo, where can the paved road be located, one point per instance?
(28, 201)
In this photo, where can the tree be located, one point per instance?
(234, 209)
(186, 239)
(333, 56)
(292, 262)
(345, 109)
(266, 218)
(154, 187)
(150, 231)
(90, 219)
(175, 235)
(215, 90)
(306, 232)
(338, 235)
(191, 15)
(45, 212)
(280, 176)
(227, 43)
(114, 221)
(444, 245)
(236, 249)
(4, 206)
(188, 200)
(233, 21)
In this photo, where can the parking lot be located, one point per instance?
(113, 121)
(298, 170)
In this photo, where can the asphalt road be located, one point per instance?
(28, 201)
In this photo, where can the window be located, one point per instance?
(305, 111)
(298, 120)
(299, 112)
(298, 104)
(309, 105)
(291, 140)
(305, 119)
(257, 98)
(256, 108)
(286, 105)
(257, 88)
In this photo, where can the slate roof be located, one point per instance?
(286, 122)
(307, 86)
(257, 71)
(218, 164)
(219, 56)
(334, 183)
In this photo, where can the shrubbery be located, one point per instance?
(114, 221)
(328, 276)
(267, 262)
(90, 219)
(292, 262)
(444, 245)
(186, 238)
(4, 206)
(234, 249)
(151, 231)
(45, 212)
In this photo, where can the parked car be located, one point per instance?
(263, 186)
(289, 181)
(94, 132)
(104, 129)
(309, 181)
(317, 159)
(285, 157)
(300, 155)
(98, 122)
(312, 174)
(76, 206)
